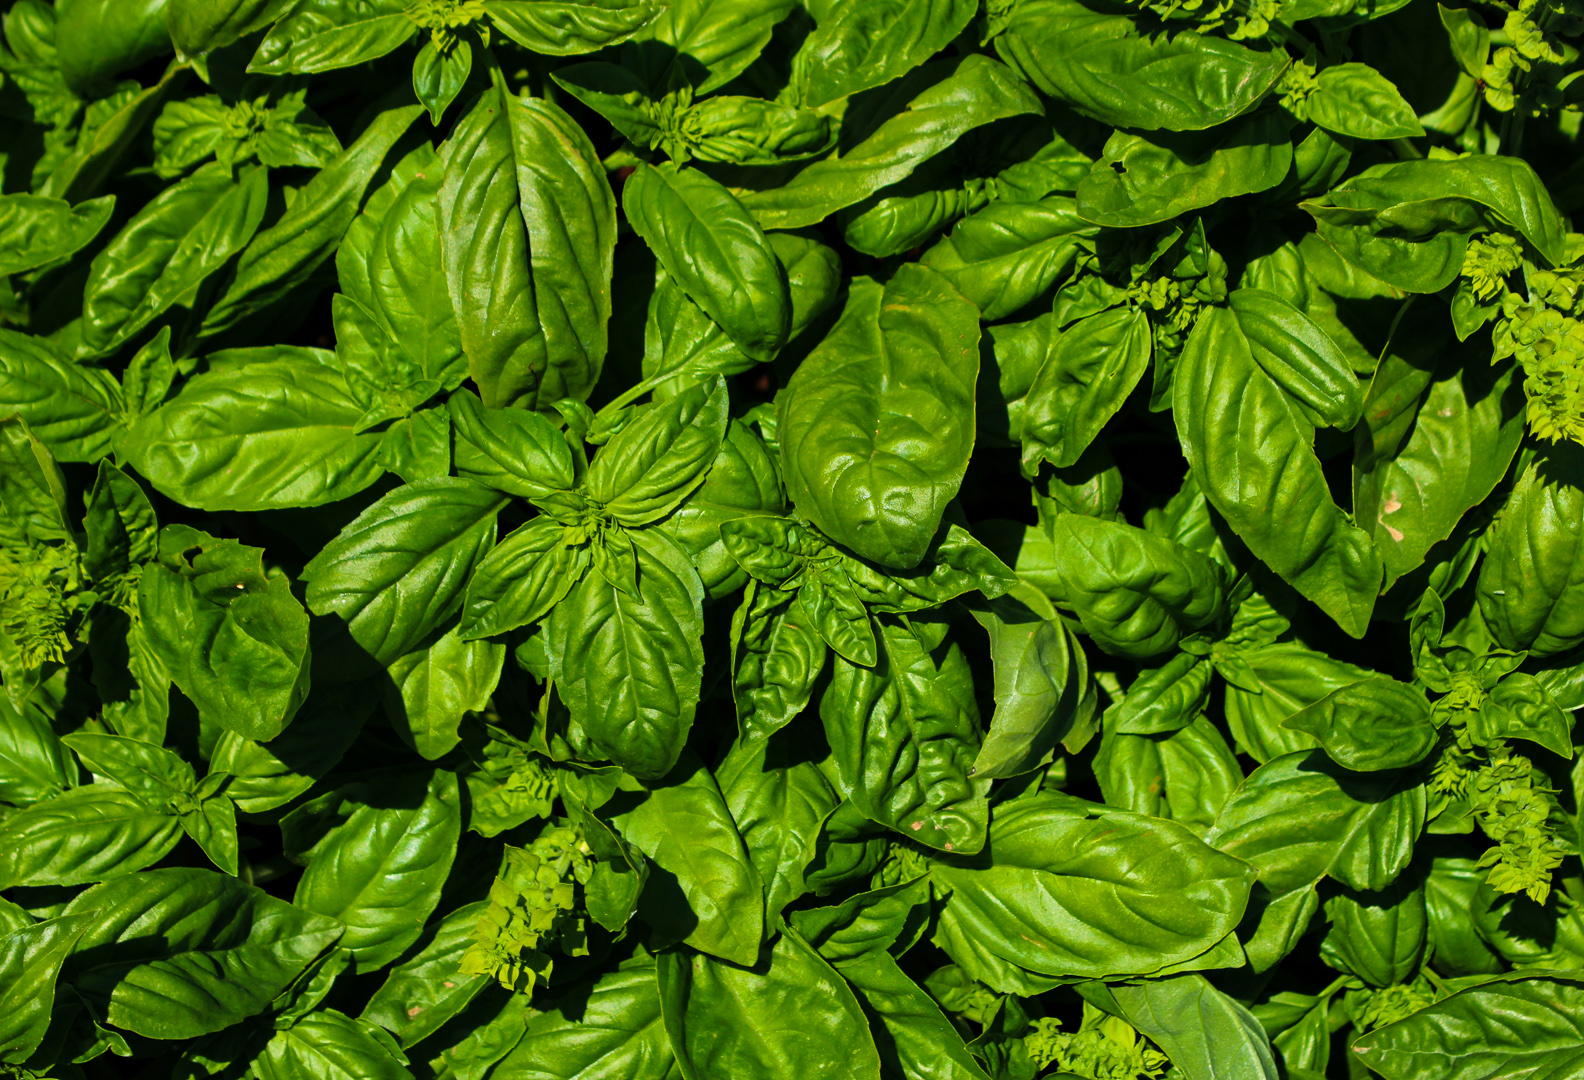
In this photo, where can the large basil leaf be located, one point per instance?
(612, 1028)
(779, 802)
(169, 247)
(904, 735)
(1144, 179)
(702, 888)
(787, 1014)
(30, 959)
(91, 833)
(379, 871)
(1264, 485)
(918, 1040)
(35, 231)
(1137, 594)
(1302, 817)
(528, 224)
(1530, 589)
(657, 459)
(628, 663)
(1079, 384)
(1042, 687)
(332, 1046)
(261, 429)
(34, 764)
(1206, 1034)
(1300, 357)
(1519, 1026)
(867, 45)
(1408, 223)
(722, 36)
(1070, 888)
(322, 35)
(713, 248)
(71, 408)
(423, 992)
(569, 27)
(1105, 65)
(178, 953)
(876, 426)
(1009, 253)
(233, 638)
(917, 118)
(397, 572)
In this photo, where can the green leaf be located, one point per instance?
(1008, 254)
(322, 35)
(1301, 817)
(702, 888)
(88, 834)
(34, 764)
(1300, 357)
(511, 450)
(1141, 180)
(424, 991)
(1530, 589)
(570, 27)
(919, 1040)
(1407, 223)
(856, 48)
(1042, 688)
(1377, 936)
(30, 959)
(521, 579)
(887, 919)
(722, 36)
(197, 26)
(610, 1028)
(234, 639)
(788, 1014)
(380, 871)
(1378, 723)
(261, 429)
(1513, 1027)
(915, 119)
(653, 463)
(286, 254)
(71, 408)
(178, 953)
(434, 687)
(330, 1045)
(528, 229)
(1137, 594)
(628, 665)
(1358, 101)
(159, 259)
(777, 656)
(1260, 486)
(904, 735)
(779, 800)
(399, 569)
(1206, 1034)
(876, 426)
(714, 249)
(1108, 67)
(35, 231)
(1070, 888)
(1086, 375)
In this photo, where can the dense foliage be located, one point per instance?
(791, 539)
